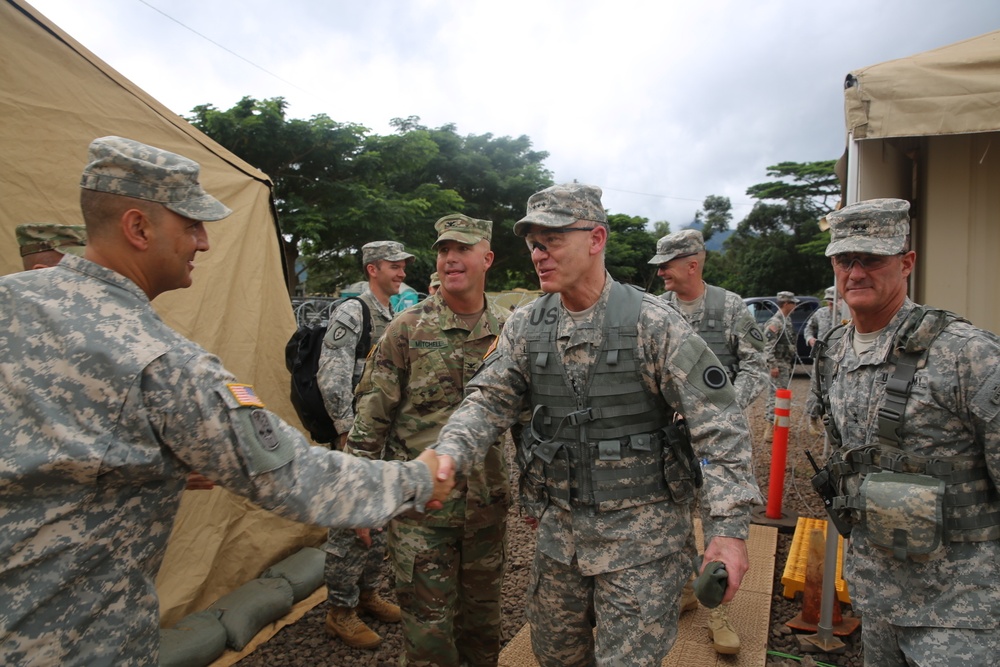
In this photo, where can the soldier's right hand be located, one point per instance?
(442, 487)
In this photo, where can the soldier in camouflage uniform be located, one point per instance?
(43, 244)
(914, 400)
(600, 366)
(780, 335)
(104, 410)
(723, 320)
(354, 558)
(449, 567)
(817, 327)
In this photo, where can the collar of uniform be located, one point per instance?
(590, 330)
(104, 274)
(879, 352)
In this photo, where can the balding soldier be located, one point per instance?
(913, 399)
(449, 567)
(601, 369)
(354, 561)
(104, 410)
(780, 336)
(722, 319)
(43, 244)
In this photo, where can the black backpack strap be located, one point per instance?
(365, 339)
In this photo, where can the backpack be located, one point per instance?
(302, 353)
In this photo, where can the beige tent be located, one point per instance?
(922, 128)
(55, 97)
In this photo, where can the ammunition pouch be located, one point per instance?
(681, 470)
(903, 513)
(534, 497)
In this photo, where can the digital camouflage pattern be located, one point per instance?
(780, 336)
(817, 326)
(609, 541)
(337, 362)
(679, 244)
(672, 361)
(561, 206)
(387, 251)
(351, 567)
(884, 646)
(126, 167)
(875, 227)
(650, 592)
(413, 380)
(103, 414)
(746, 343)
(952, 411)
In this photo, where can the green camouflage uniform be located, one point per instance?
(780, 336)
(623, 568)
(351, 567)
(449, 564)
(746, 343)
(940, 607)
(104, 411)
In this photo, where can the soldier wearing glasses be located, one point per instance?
(912, 396)
(601, 368)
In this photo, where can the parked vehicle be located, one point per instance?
(763, 307)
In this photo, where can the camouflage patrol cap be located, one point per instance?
(126, 167)
(41, 236)
(388, 251)
(787, 297)
(875, 227)
(435, 280)
(829, 293)
(679, 244)
(462, 228)
(561, 206)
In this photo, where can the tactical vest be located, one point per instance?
(971, 501)
(713, 330)
(603, 447)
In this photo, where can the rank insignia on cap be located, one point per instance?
(245, 395)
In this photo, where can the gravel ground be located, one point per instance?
(306, 642)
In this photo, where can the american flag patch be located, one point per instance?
(245, 395)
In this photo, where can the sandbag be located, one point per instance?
(196, 640)
(252, 606)
(303, 570)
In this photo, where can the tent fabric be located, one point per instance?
(950, 90)
(55, 98)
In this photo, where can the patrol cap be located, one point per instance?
(561, 206)
(389, 251)
(126, 167)
(787, 297)
(462, 228)
(435, 280)
(41, 236)
(829, 293)
(679, 244)
(875, 227)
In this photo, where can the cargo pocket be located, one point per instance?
(903, 513)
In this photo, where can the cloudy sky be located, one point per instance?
(659, 102)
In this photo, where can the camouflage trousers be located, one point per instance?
(781, 382)
(635, 611)
(448, 584)
(888, 645)
(351, 567)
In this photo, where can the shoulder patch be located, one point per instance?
(986, 401)
(245, 395)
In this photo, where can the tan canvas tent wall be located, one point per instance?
(55, 97)
(927, 128)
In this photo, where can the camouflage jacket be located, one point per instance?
(414, 379)
(337, 361)
(780, 335)
(746, 343)
(952, 410)
(672, 361)
(819, 323)
(104, 411)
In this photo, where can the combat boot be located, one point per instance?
(343, 622)
(724, 637)
(689, 602)
(379, 607)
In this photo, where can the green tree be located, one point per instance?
(814, 182)
(629, 248)
(715, 216)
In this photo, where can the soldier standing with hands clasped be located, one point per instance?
(913, 399)
(601, 367)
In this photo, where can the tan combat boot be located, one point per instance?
(343, 622)
(724, 637)
(379, 607)
(689, 602)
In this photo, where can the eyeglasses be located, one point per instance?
(845, 262)
(552, 239)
